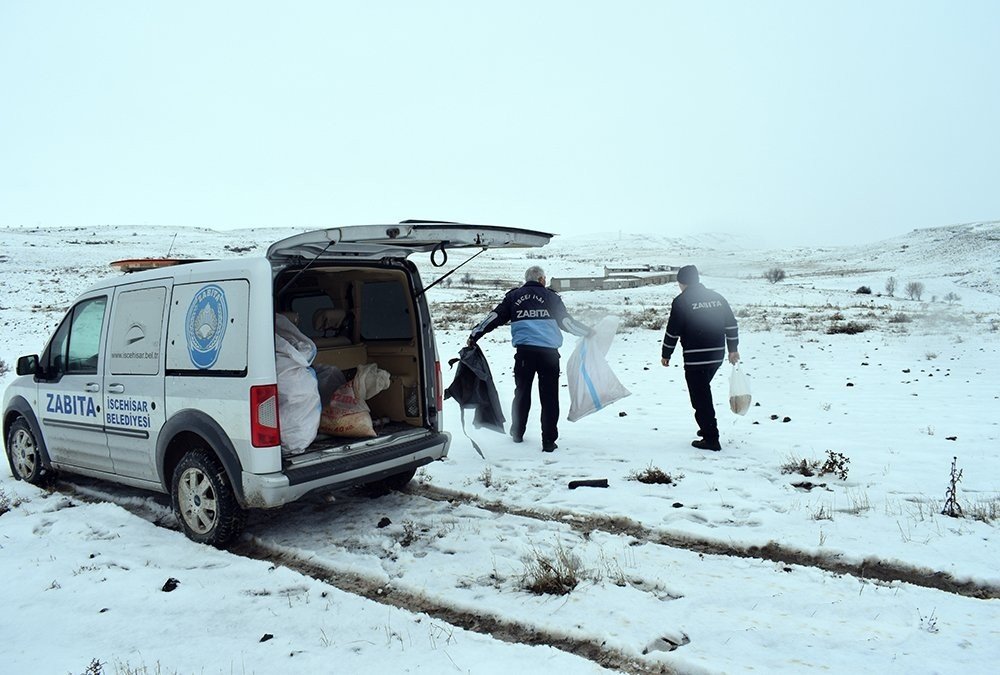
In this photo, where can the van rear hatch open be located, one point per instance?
(400, 240)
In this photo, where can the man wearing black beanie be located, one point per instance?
(702, 321)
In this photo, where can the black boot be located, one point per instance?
(707, 444)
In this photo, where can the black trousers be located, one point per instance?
(699, 381)
(529, 361)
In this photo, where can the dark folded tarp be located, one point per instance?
(473, 388)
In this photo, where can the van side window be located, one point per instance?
(135, 333)
(77, 342)
(385, 311)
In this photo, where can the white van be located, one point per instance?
(165, 378)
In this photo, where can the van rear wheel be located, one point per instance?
(25, 456)
(393, 483)
(204, 501)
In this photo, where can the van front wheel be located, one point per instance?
(204, 502)
(24, 454)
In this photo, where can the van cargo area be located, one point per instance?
(356, 316)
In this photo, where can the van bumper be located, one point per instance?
(263, 491)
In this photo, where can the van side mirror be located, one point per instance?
(27, 365)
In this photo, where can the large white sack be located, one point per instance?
(298, 391)
(592, 384)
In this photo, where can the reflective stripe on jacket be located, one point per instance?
(702, 321)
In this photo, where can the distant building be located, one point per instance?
(618, 277)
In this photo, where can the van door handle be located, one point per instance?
(116, 388)
(91, 386)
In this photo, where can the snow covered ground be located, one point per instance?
(740, 563)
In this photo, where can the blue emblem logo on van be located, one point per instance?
(205, 326)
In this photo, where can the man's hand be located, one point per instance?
(734, 357)
(470, 343)
(665, 362)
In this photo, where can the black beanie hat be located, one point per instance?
(687, 275)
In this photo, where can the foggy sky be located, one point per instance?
(812, 122)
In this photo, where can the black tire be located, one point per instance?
(204, 502)
(25, 456)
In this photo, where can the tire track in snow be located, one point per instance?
(376, 588)
(871, 567)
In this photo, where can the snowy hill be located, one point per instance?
(814, 541)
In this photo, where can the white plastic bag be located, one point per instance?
(592, 384)
(739, 391)
(370, 380)
(298, 391)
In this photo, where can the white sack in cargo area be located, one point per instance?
(298, 392)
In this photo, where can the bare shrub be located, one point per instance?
(985, 510)
(460, 315)
(951, 506)
(803, 467)
(863, 290)
(651, 475)
(859, 503)
(890, 286)
(849, 328)
(929, 623)
(775, 274)
(4, 368)
(127, 669)
(824, 512)
(647, 318)
(557, 574)
(7, 503)
(468, 279)
(837, 464)
(915, 290)
(900, 317)
(409, 534)
(951, 297)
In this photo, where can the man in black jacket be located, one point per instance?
(537, 317)
(706, 328)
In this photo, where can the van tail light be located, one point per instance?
(437, 386)
(265, 431)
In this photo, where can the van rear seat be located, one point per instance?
(333, 340)
(331, 330)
